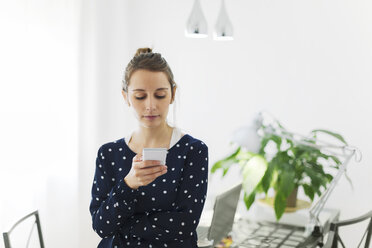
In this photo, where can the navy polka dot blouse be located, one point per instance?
(164, 213)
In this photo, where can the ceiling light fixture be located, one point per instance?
(223, 29)
(196, 26)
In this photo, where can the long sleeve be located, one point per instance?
(180, 223)
(112, 201)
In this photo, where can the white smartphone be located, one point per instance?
(155, 154)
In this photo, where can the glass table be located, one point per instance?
(263, 234)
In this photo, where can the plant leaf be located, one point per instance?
(264, 142)
(249, 199)
(336, 159)
(244, 155)
(253, 171)
(286, 186)
(329, 177)
(223, 164)
(280, 125)
(278, 140)
(336, 135)
(266, 180)
(279, 205)
(286, 183)
(226, 162)
(315, 180)
(308, 191)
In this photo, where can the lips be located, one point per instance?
(151, 117)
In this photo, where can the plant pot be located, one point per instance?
(293, 204)
(292, 198)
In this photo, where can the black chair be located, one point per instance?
(334, 238)
(35, 214)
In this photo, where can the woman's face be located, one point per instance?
(149, 94)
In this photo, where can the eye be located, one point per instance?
(157, 96)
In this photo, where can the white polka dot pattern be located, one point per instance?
(183, 188)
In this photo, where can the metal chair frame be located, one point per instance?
(6, 235)
(334, 237)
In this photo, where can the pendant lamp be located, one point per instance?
(196, 26)
(223, 29)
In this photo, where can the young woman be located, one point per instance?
(137, 203)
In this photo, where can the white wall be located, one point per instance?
(103, 45)
(306, 62)
(38, 110)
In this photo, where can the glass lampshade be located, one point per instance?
(223, 29)
(196, 26)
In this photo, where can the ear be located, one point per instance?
(125, 95)
(174, 94)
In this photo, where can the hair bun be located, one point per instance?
(143, 50)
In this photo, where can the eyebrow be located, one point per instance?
(155, 90)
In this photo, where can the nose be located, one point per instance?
(150, 104)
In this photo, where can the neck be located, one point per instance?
(151, 137)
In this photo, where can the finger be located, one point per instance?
(143, 164)
(153, 169)
(137, 158)
(140, 172)
(149, 163)
(152, 177)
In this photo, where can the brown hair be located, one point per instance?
(147, 60)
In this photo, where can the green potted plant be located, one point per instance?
(281, 161)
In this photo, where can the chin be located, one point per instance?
(152, 124)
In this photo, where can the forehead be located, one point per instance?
(148, 80)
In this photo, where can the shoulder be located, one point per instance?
(185, 138)
(195, 144)
(196, 154)
(193, 140)
(113, 146)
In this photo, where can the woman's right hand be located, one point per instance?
(144, 172)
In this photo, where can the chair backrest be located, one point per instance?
(6, 235)
(334, 237)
